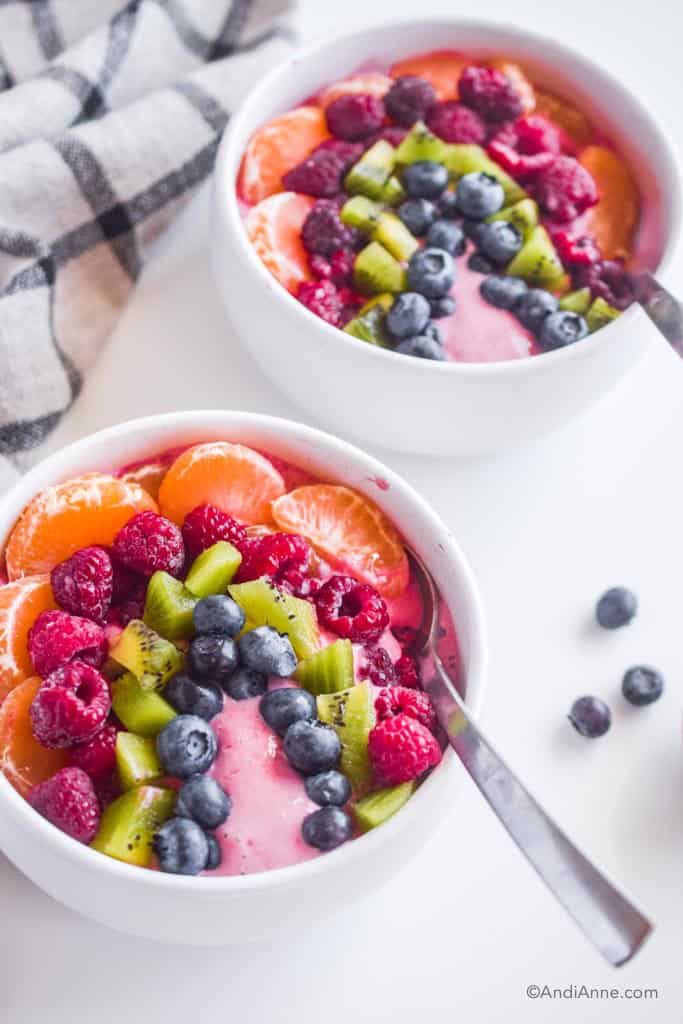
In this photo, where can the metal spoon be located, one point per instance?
(665, 311)
(610, 921)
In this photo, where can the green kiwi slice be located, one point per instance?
(421, 144)
(600, 314)
(376, 270)
(265, 605)
(537, 261)
(329, 670)
(523, 215)
(395, 237)
(151, 658)
(576, 302)
(463, 158)
(393, 192)
(136, 759)
(128, 825)
(361, 212)
(213, 569)
(369, 324)
(369, 176)
(168, 607)
(375, 808)
(144, 712)
(352, 713)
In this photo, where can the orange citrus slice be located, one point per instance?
(274, 229)
(441, 67)
(575, 124)
(277, 147)
(348, 530)
(148, 476)
(21, 603)
(371, 83)
(231, 476)
(520, 81)
(23, 760)
(612, 222)
(90, 509)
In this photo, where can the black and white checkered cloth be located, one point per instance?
(110, 115)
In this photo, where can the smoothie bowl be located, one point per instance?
(439, 218)
(211, 724)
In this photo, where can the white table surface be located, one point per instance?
(463, 932)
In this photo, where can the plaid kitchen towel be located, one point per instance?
(110, 116)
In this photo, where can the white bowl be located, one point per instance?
(374, 395)
(213, 911)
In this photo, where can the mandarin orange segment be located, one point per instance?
(349, 531)
(371, 83)
(23, 760)
(90, 509)
(233, 477)
(576, 125)
(441, 67)
(274, 229)
(277, 147)
(613, 221)
(147, 476)
(21, 603)
(519, 79)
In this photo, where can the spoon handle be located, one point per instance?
(664, 310)
(610, 921)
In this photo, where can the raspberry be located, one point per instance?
(404, 634)
(354, 116)
(396, 700)
(609, 280)
(490, 93)
(82, 584)
(389, 133)
(323, 231)
(409, 100)
(124, 583)
(536, 134)
(71, 706)
(320, 266)
(454, 122)
(206, 525)
(347, 152)
(68, 800)
(565, 189)
(108, 788)
(521, 167)
(322, 298)
(56, 638)
(149, 543)
(341, 266)
(407, 672)
(351, 609)
(294, 582)
(97, 757)
(377, 667)
(271, 554)
(575, 252)
(401, 749)
(318, 175)
(130, 607)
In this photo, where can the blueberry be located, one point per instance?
(433, 331)
(218, 613)
(245, 683)
(561, 329)
(203, 800)
(328, 788)
(446, 234)
(590, 716)
(215, 857)
(268, 651)
(448, 205)
(478, 195)
(408, 315)
(311, 747)
(499, 241)
(479, 263)
(181, 847)
(431, 272)
(191, 698)
(425, 179)
(213, 657)
(288, 704)
(327, 828)
(473, 229)
(502, 291)
(616, 608)
(418, 215)
(442, 307)
(533, 307)
(186, 746)
(423, 346)
(641, 685)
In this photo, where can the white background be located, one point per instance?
(461, 933)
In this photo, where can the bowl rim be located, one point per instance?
(226, 206)
(55, 467)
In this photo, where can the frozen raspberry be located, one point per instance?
(347, 152)
(323, 299)
(401, 749)
(83, 583)
(404, 634)
(575, 252)
(608, 280)
(206, 525)
(71, 706)
(409, 100)
(396, 700)
(354, 116)
(454, 122)
(565, 189)
(295, 582)
(68, 800)
(149, 543)
(351, 609)
(320, 267)
(130, 607)
(536, 134)
(323, 231)
(341, 266)
(108, 788)
(490, 93)
(125, 582)
(56, 638)
(388, 133)
(518, 165)
(97, 757)
(377, 667)
(271, 554)
(318, 175)
(407, 672)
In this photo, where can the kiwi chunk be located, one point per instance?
(600, 314)
(537, 261)
(369, 324)
(361, 212)
(421, 144)
(378, 807)
(395, 237)
(136, 759)
(265, 605)
(168, 607)
(151, 658)
(329, 670)
(522, 215)
(393, 192)
(213, 569)
(129, 823)
(352, 713)
(376, 270)
(369, 176)
(576, 302)
(463, 158)
(142, 711)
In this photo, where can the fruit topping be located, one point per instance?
(151, 658)
(213, 570)
(617, 607)
(24, 760)
(375, 808)
(577, 301)
(369, 324)
(537, 262)
(136, 760)
(441, 69)
(266, 605)
(215, 855)
(68, 800)
(560, 329)
(464, 159)
(608, 280)
(190, 697)
(265, 650)
(273, 553)
(590, 716)
(187, 746)
(354, 116)
(397, 700)
(370, 175)
(329, 670)
(245, 683)
(500, 241)
(455, 122)
(478, 195)
(419, 145)
(274, 230)
(149, 543)
(376, 271)
(371, 82)
(533, 307)
(205, 525)
(181, 847)
(424, 179)
(311, 747)
(409, 315)
(327, 828)
(523, 215)
(431, 272)
(82, 584)
(213, 657)
(141, 711)
(565, 189)
(203, 800)
(401, 749)
(21, 603)
(407, 671)
(218, 613)
(377, 666)
(600, 314)
(323, 231)
(613, 221)
(277, 146)
(282, 707)
(418, 215)
(480, 264)
(409, 99)
(71, 706)
(56, 638)
(642, 685)
(352, 714)
(441, 307)
(446, 234)
(392, 233)
(579, 252)
(490, 93)
(129, 823)
(323, 299)
(168, 607)
(503, 291)
(328, 789)
(352, 610)
(423, 346)
(97, 756)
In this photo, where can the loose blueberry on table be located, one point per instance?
(203, 663)
(452, 180)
